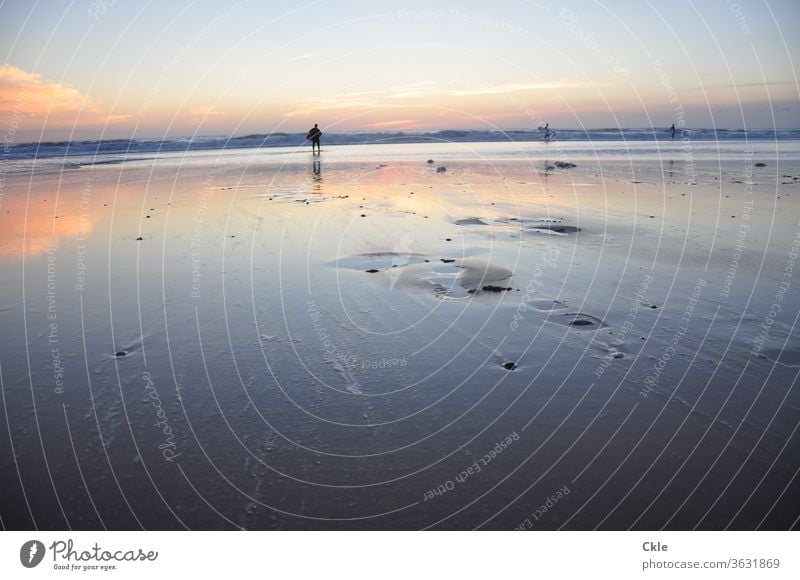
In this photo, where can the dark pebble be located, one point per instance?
(372, 271)
(493, 288)
(509, 366)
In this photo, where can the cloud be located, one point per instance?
(408, 122)
(488, 101)
(395, 97)
(359, 100)
(516, 87)
(771, 85)
(28, 103)
(203, 112)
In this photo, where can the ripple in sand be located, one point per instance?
(578, 321)
(475, 275)
(785, 357)
(474, 221)
(542, 225)
(444, 277)
(379, 261)
(545, 305)
(553, 229)
(460, 281)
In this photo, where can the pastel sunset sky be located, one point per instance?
(148, 69)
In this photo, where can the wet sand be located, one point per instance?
(360, 341)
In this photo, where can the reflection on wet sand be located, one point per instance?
(40, 230)
(316, 175)
(269, 322)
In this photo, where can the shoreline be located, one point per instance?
(28, 150)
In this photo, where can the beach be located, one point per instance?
(443, 335)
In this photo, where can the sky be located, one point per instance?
(124, 68)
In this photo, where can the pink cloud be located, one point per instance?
(29, 103)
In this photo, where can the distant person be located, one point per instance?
(313, 136)
(547, 132)
(672, 131)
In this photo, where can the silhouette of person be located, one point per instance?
(547, 131)
(672, 131)
(313, 136)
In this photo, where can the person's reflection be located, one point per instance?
(316, 175)
(547, 169)
(671, 171)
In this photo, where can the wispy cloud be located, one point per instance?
(29, 101)
(205, 111)
(769, 85)
(393, 97)
(399, 122)
(342, 101)
(503, 89)
(302, 57)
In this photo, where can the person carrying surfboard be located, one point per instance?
(313, 135)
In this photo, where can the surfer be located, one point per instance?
(672, 131)
(547, 132)
(313, 136)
